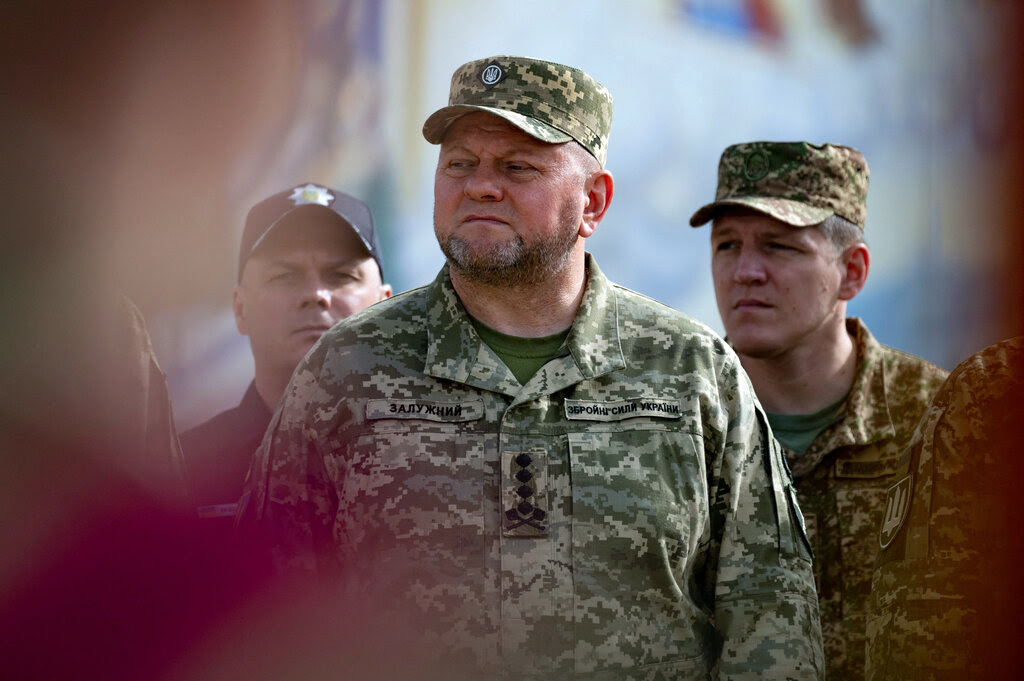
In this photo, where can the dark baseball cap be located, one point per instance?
(269, 212)
(551, 102)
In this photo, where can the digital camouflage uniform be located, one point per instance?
(841, 481)
(945, 599)
(623, 515)
(842, 477)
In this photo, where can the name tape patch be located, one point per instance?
(425, 410)
(217, 511)
(583, 410)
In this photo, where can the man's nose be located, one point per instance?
(749, 267)
(317, 294)
(484, 184)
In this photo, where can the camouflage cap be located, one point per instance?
(549, 101)
(798, 183)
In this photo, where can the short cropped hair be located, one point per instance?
(840, 232)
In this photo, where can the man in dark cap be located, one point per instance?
(788, 252)
(548, 475)
(309, 257)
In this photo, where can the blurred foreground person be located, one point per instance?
(309, 257)
(115, 119)
(548, 475)
(123, 125)
(787, 254)
(945, 601)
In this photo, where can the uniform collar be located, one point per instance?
(252, 404)
(456, 353)
(866, 417)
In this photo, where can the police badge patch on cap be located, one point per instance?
(897, 507)
(492, 75)
(311, 194)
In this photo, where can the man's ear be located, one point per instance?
(599, 186)
(855, 262)
(238, 307)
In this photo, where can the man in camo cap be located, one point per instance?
(550, 475)
(787, 253)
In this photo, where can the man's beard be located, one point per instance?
(513, 263)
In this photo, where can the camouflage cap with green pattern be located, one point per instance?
(552, 102)
(798, 183)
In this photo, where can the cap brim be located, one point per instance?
(791, 212)
(276, 225)
(436, 126)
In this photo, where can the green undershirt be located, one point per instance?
(797, 431)
(523, 356)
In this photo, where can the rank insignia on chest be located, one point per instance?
(897, 507)
(525, 493)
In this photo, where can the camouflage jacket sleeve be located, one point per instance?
(288, 501)
(766, 608)
(942, 604)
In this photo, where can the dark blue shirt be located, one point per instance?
(217, 456)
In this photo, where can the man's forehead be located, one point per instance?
(302, 253)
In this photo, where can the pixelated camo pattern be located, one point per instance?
(937, 585)
(409, 460)
(841, 481)
(796, 182)
(552, 102)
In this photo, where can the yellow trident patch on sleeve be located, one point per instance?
(897, 507)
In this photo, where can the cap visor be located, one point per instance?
(277, 224)
(792, 213)
(437, 125)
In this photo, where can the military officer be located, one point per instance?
(556, 477)
(788, 253)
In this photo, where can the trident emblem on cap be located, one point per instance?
(491, 75)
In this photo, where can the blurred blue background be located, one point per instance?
(914, 84)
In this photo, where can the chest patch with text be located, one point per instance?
(426, 410)
(584, 410)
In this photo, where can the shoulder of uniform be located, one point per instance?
(899, 365)
(404, 310)
(911, 366)
(639, 306)
(991, 374)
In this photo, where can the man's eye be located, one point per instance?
(341, 277)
